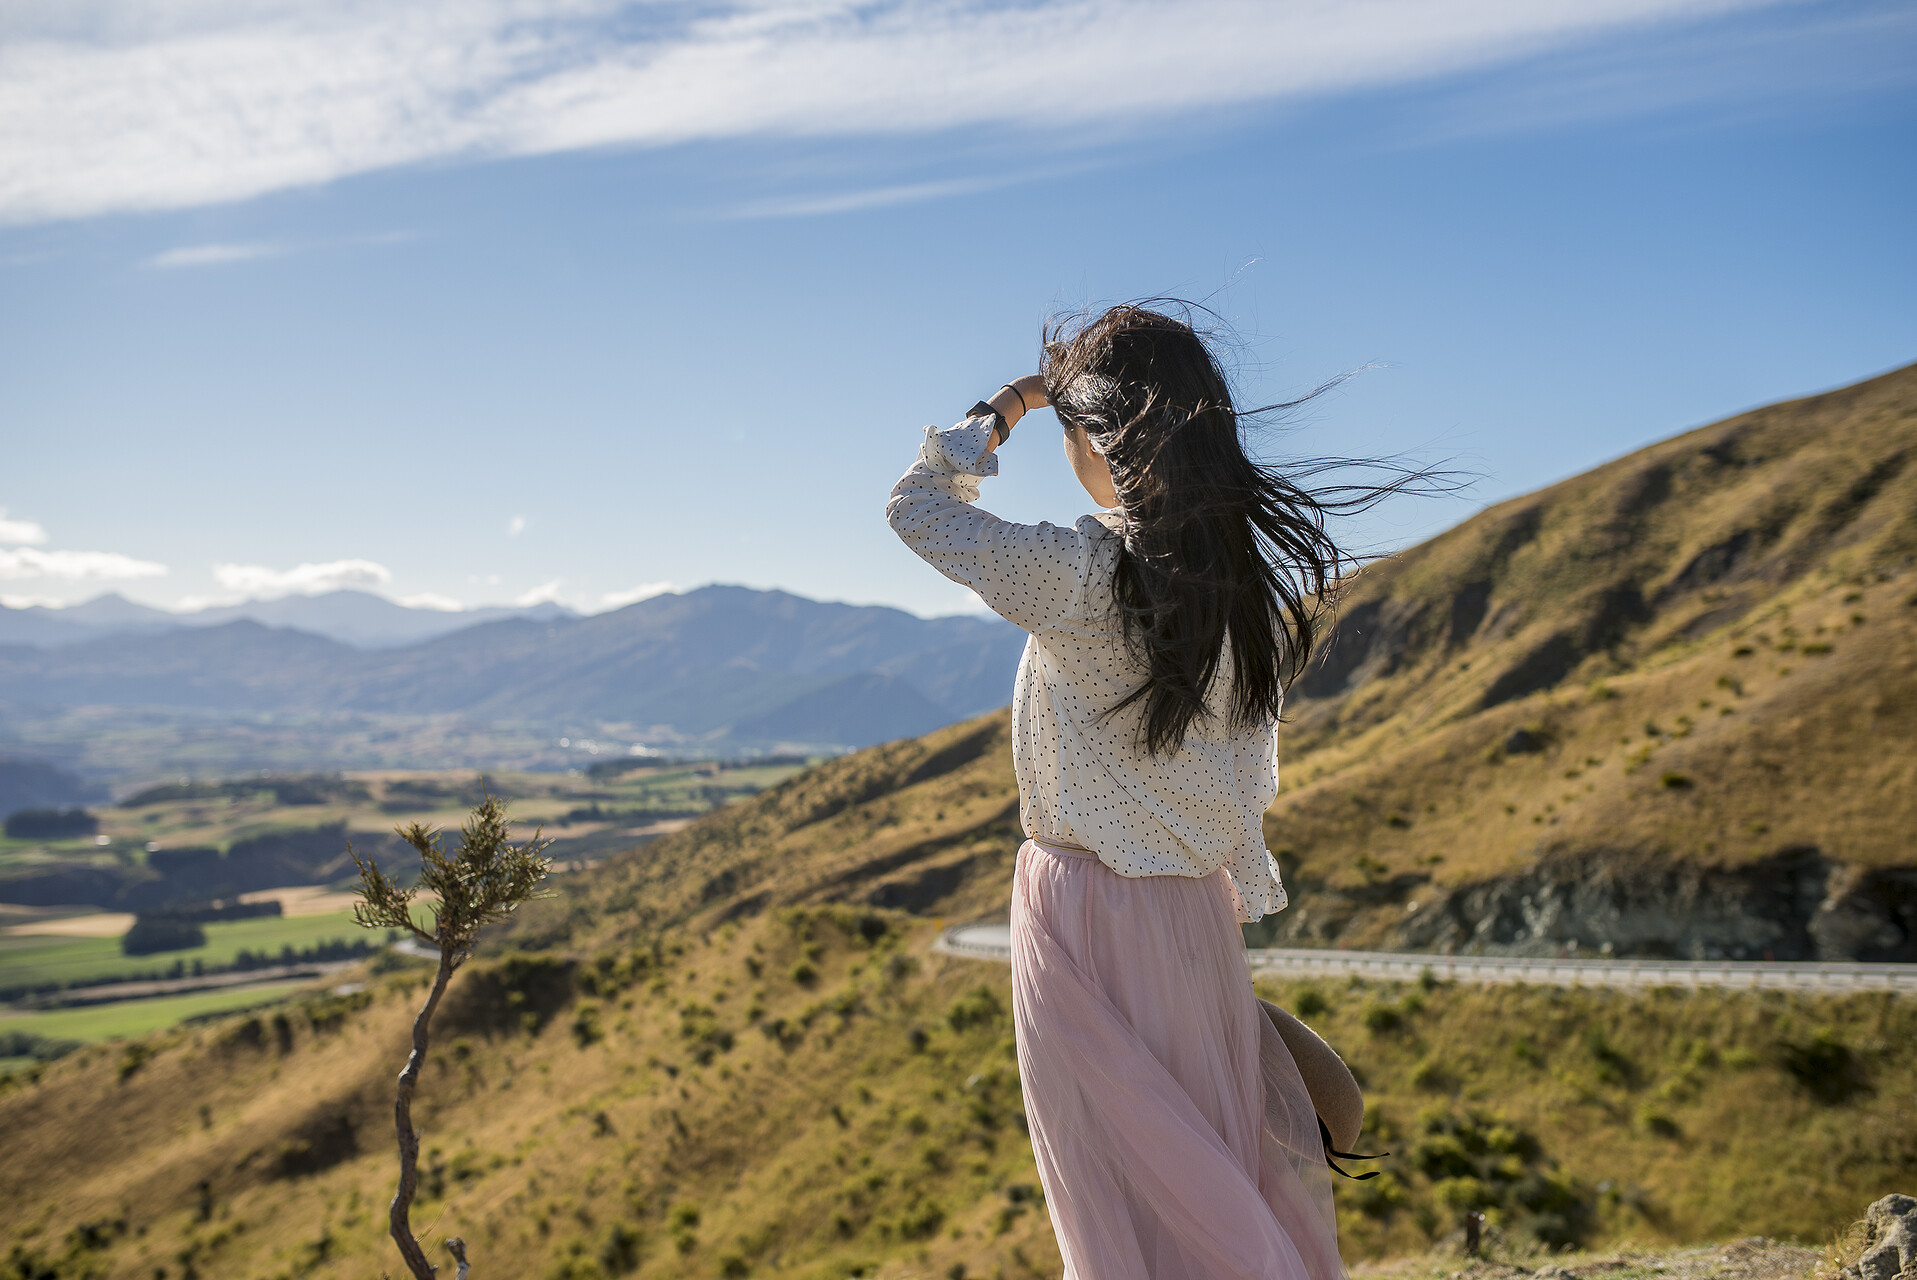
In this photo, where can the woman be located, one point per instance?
(1174, 1136)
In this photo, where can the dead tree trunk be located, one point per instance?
(408, 1137)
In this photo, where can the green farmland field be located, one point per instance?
(137, 1017)
(42, 961)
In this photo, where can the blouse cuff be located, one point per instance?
(961, 450)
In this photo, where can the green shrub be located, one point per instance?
(1381, 1018)
(920, 1220)
(979, 1007)
(1825, 1067)
(1310, 1003)
(1612, 1066)
(1658, 1122)
(586, 1027)
(1476, 1161)
(134, 1056)
(700, 1025)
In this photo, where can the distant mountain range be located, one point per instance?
(357, 618)
(730, 666)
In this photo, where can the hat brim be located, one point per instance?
(1334, 1090)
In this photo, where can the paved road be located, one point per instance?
(114, 992)
(993, 942)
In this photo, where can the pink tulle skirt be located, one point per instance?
(1174, 1137)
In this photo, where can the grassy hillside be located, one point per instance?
(720, 1064)
(730, 1052)
(1689, 675)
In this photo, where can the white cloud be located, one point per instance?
(633, 595)
(212, 255)
(870, 198)
(305, 579)
(75, 566)
(123, 104)
(515, 526)
(434, 601)
(15, 532)
(32, 602)
(542, 594)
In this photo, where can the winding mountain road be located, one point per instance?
(993, 942)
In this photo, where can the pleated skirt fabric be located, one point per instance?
(1174, 1136)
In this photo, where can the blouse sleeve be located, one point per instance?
(1028, 574)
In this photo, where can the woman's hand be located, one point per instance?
(1015, 398)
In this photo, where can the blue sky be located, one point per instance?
(517, 299)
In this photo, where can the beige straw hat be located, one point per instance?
(1334, 1092)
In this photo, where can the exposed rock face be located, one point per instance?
(1890, 1242)
(1795, 904)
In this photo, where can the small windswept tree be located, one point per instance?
(484, 880)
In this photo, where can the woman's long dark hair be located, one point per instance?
(1217, 547)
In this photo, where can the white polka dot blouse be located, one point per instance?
(1084, 778)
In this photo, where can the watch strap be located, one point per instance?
(999, 424)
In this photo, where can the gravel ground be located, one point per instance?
(1755, 1258)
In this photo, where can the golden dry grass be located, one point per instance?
(730, 1052)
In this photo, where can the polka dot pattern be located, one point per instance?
(1083, 777)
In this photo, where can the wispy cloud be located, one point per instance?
(304, 579)
(515, 526)
(434, 601)
(74, 566)
(633, 595)
(212, 255)
(15, 533)
(869, 198)
(32, 602)
(126, 105)
(544, 593)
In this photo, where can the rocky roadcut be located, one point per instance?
(1665, 708)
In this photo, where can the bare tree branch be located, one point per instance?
(484, 880)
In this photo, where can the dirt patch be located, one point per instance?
(98, 924)
(305, 900)
(1756, 1258)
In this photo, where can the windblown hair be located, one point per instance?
(1221, 552)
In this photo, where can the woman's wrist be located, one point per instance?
(1006, 403)
(1015, 399)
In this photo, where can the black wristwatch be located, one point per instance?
(999, 424)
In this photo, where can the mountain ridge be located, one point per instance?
(357, 618)
(688, 667)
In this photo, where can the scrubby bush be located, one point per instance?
(586, 1028)
(1478, 1162)
(699, 1025)
(622, 1249)
(1825, 1067)
(1381, 1018)
(1310, 1003)
(978, 1007)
